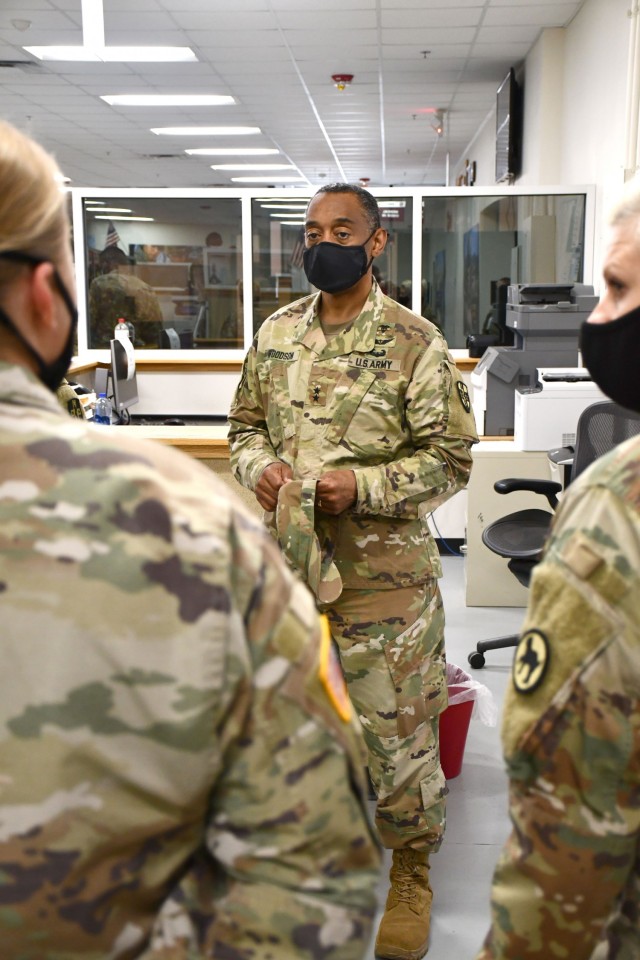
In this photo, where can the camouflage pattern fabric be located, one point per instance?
(384, 399)
(69, 400)
(295, 516)
(115, 295)
(569, 876)
(180, 778)
(392, 655)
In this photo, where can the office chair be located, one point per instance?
(520, 536)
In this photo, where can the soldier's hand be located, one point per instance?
(271, 479)
(336, 491)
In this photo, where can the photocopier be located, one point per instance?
(546, 320)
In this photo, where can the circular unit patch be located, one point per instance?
(531, 661)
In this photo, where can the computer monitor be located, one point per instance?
(125, 389)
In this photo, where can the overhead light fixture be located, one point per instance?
(268, 179)
(292, 223)
(205, 131)
(252, 166)
(107, 209)
(438, 126)
(287, 213)
(167, 100)
(115, 54)
(124, 218)
(93, 47)
(232, 151)
(341, 80)
(283, 206)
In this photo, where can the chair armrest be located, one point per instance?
(547, 488)
(562, 456)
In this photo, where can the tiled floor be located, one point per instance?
(477, 821)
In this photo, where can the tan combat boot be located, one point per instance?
(404, 929)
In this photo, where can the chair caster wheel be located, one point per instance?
(476, 659)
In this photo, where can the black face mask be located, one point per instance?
(332, 267)
(51, 374)
(611, 354)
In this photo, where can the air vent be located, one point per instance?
(19, 65)
(162, 156)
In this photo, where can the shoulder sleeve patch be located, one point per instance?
(463, 392)
(331, 674)
(531, 661)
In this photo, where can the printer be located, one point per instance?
(546, 416)
(546, 320)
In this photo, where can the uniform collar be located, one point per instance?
(360, 338)
(21, 387)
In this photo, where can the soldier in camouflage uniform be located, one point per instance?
(119, 293)
(180, 766)
(358, 398)
(568, 880)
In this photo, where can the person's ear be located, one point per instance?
(379, 242)
(42, 294)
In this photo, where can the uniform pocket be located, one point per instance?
(416, 662)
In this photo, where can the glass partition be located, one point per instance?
(170, 267)
(474, 246)
(202, 269)
(278, 246)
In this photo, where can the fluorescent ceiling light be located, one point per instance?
(167, 100)
(205, 131)
(94, 49)
(94, 203)
(108, 210)
(232, 151)
(279, 202)
(283, 206)
(268, 179)
(292, 223)
(115, 54)
(252, 166)
(124, 218)
(287, 214)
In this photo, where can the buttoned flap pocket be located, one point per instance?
(416, 662)
(279, 412)
(368, 414)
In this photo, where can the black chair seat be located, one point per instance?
(519, 535)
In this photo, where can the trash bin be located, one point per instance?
(466, 695)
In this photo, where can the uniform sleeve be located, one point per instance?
(296, 861)
(439, 416)
(571, 733)
(250, 447)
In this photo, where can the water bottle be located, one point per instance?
(102, 411)
(121, 329)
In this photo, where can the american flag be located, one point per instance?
(298, 250)
(113, 239)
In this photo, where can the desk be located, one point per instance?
(489, 582)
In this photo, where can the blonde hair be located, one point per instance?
(33, 211)
(628, 205)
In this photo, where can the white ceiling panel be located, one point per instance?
(276, 57)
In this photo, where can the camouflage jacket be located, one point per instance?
(177, 756)
(383, 399)
(115, 295)
(571, 732)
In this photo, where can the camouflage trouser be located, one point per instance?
(391, 645)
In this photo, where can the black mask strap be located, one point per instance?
(47, 372)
